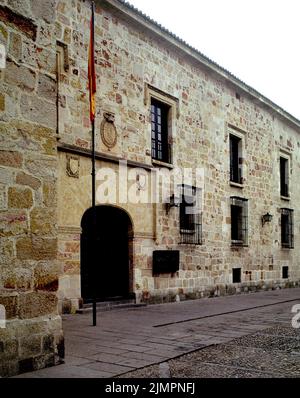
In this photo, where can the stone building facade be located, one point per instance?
(162, 108)
(29, 266)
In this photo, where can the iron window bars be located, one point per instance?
(239, 221)
(190, 216)
(287, 228)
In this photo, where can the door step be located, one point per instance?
(109, 306)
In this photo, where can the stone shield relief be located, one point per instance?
(108, 131)
(73, 166)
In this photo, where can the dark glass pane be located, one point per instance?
(236, 223)
(287, 228)
(285, 272)
(187, 216)
(284, 188)
(239, 221)
(236, 275)
(284, 229)
(160, 130)
(235, 169)
(190, 218)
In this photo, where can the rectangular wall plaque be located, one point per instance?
(165, 261)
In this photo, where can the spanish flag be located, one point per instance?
(91, 69)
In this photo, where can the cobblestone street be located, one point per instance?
(273, 352)
(235, 336)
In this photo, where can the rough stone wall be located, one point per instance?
(127, 58)
(29, 268)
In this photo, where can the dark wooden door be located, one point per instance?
(105, 269)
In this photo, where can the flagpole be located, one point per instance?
(94, 223)
(94, 188)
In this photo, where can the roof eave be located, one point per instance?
(143, 20)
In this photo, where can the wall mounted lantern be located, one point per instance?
(174, 201)
(266, 218)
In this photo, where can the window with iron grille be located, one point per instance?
(284, 177)
(239, 221)
(235, 159)
(190, 216)
(159, 131)
(287, 228)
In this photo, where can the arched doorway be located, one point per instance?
(109, 271)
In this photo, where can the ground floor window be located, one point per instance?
(287, 228)
(239, 221)
(190, 215)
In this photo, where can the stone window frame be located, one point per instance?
(287, 156)
(237, 132)
(62, 59)
(151, 92)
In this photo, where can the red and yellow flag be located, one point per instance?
(91, 69)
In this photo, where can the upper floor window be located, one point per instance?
(160, 131)
(287, 228)
(284, 177)
(190, 216)
(239, 221)
(235, 159)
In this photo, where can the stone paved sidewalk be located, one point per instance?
(126, 340)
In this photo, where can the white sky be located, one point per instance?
(256, 40)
